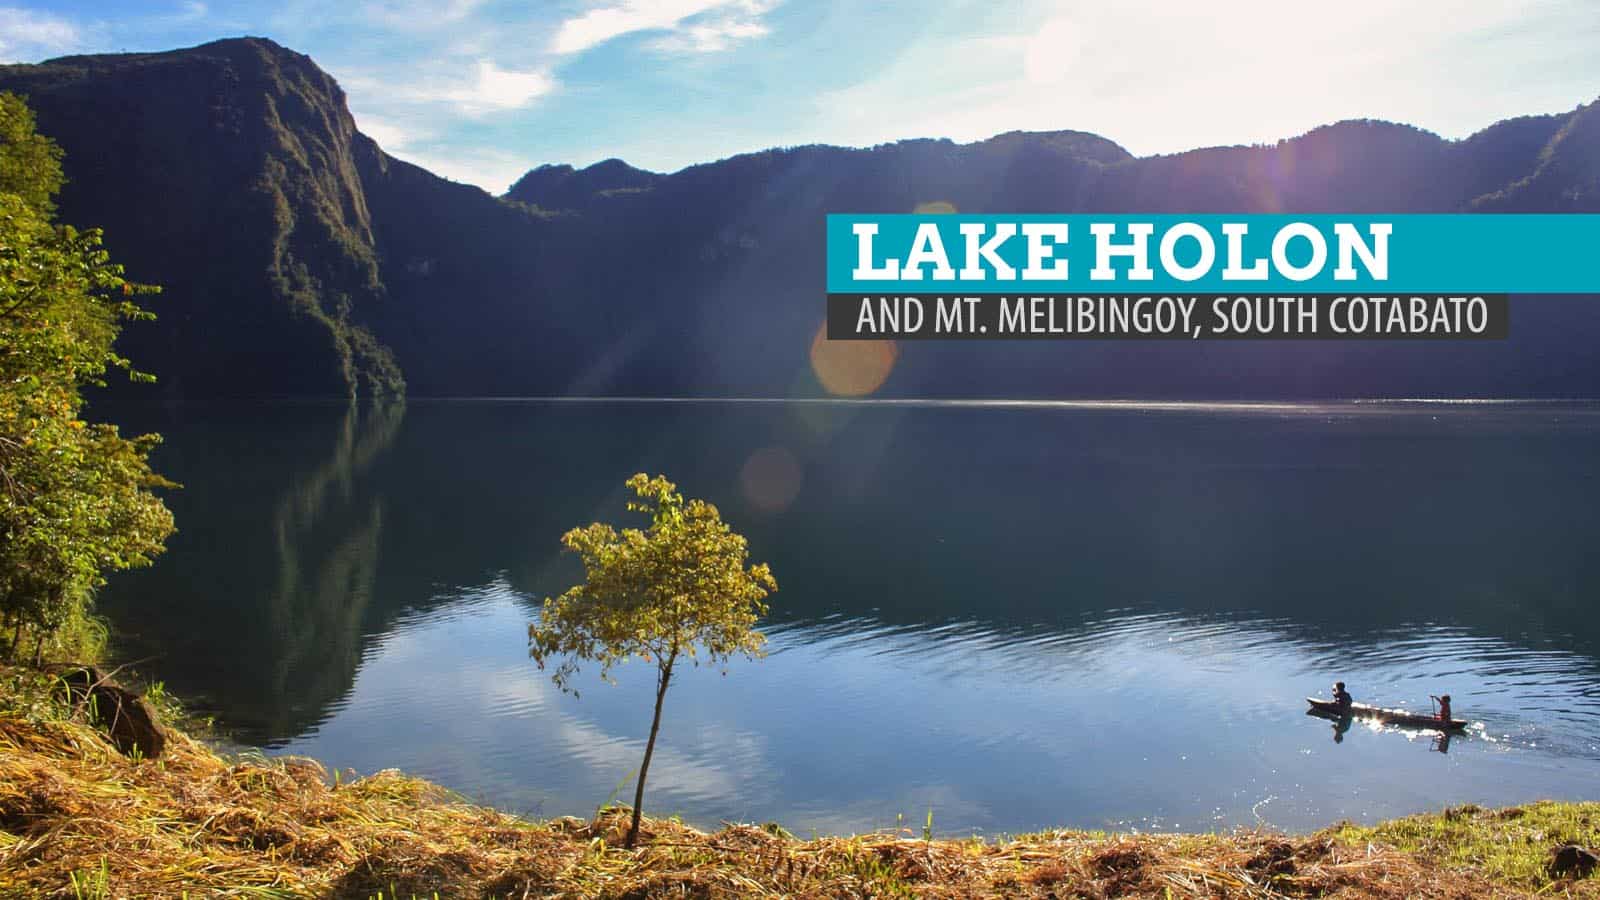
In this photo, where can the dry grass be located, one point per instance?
(79, 820)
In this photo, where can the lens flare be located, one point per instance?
(851, 368)
(770, 479)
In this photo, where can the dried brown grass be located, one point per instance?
(79, 819)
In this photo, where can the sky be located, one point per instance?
(480, 91)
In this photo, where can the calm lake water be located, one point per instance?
(1017, 616)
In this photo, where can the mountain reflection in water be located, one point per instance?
(1019, 615)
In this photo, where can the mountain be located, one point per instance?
(227, 174)
(300, 259)
(1566, 176)
(563, 187)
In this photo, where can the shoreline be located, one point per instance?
(79, 819)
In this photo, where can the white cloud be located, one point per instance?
(418, 14)
(27, 35)
(191, 11)
(712, 37)
(415, 137)
(392, 136)
(495, 89)
(697, 25)
(1049, 56)
(492, 170)
(486, 89)
(1196, 76)
(743, 757)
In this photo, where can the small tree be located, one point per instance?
(678, 589)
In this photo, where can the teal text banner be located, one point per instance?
(1212, 253)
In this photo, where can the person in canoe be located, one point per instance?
(1444, 707)
(1341, 696)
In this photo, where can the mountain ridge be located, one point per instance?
(301, 259)
(237, 129)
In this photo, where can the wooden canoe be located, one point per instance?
(1402, 718)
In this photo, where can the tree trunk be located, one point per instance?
(649, 750)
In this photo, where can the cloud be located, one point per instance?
(712, 37)
(495, 88)
(413, 139)
(27, 35)
(492, 170)
(392, 136)
(488, 88)
(697, 25)
(1202, 79)
(474, 71)
(725, 767)
(418, 14)
(191, 11)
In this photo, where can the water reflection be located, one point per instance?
(327, 530)
(1138, 721)
(1339, 729)
(259, 612)
(1020, 615)
(1440, 739)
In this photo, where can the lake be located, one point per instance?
(1013, 615)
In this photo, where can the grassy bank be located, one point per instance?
(78, 819)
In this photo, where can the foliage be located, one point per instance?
(30, 163)
(678, 589)
(76, 499)
(234, 171)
